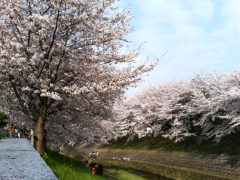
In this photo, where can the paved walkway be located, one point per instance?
(20, 161)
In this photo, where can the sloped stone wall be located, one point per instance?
(220, 164)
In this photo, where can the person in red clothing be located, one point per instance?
(95, 168)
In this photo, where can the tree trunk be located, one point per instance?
(39, 130)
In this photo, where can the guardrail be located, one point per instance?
(10, 134)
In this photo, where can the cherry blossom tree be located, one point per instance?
(58, 60)
(216, 102)
(205, 107)
(163, 106)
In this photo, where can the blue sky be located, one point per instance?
(198, 34)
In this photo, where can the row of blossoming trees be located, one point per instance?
(208, 106)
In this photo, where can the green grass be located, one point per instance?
(229, 145)
(1, 135)
(120, 174)
(66, 168)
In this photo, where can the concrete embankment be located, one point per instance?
(176, 165)
(19, 160)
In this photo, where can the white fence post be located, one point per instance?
(32, 137)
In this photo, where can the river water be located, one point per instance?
(143, 174)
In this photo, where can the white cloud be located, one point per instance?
(200, 34)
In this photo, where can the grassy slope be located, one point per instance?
(66, 168)
(229, 145)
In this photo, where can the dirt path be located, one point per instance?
(143, 174)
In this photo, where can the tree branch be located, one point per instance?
(53, 39)
(21, 103)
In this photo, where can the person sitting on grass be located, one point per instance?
(95, 155)
(89, 155)
(92, 164)
(95, 168)
(100, 170)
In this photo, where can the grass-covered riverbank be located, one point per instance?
(165, 172)
(229, 145)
